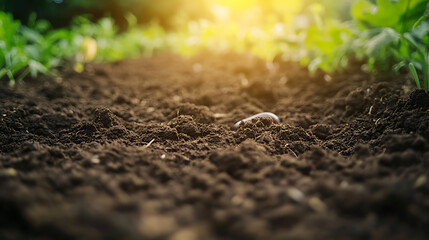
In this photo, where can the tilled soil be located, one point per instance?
(145, 149)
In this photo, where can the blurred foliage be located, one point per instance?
(265, 28)
(309, 32)
(322, 34)
(62, 12)
(167, 13)
(393, 35)
(37, 48)
(31, 49)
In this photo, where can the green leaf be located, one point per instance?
(384, 39)
(11, 78)
(36, 68)
(3, 72)
(386, 13)
(33, 51)
(422, 18)
(131, 20)
(421, 30)
(399, 66)
(31, 35)
(413, 42)
(314, 65)
(414, 73)
(22, 75)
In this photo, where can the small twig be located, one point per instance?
(289, 149)
(370, 110)
(150, 143)
(376, 122)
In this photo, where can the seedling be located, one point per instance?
(395, 34)
(424, 57)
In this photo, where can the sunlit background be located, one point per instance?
(320, 34)
(266, 28)
(170, 13)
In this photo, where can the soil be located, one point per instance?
(145, 149)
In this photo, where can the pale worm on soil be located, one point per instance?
(264, 114)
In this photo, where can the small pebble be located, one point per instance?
(197, 68)
(157, 226)
(237, 200)
(177, 98)
(135, 101)
(219, 115)
(422, 180)
(317, 205)
(185, 234)
(244, 80)
(283, 80)
(95, 159)
(327, 78)
(295, 194)
(58, 80)
(344, 184)
(8, 172)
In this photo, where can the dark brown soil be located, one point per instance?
(144, 149)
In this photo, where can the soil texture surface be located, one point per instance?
(145, 149)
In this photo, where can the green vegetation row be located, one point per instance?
(389, 34)
(36, 48)
(394, 35)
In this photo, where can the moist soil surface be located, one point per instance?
(145, 149)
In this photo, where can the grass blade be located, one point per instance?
(422, 18)
(414, 73)
(425, 68)
(23, 75)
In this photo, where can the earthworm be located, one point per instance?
(264, 114)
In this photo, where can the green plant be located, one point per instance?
(36, 48)
(327, 46)
(414, 73)
(394, 35)
(12, 55)
(390, 34)
(421, 59)
(33, 49)
(270, 32)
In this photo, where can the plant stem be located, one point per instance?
(23, 74)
